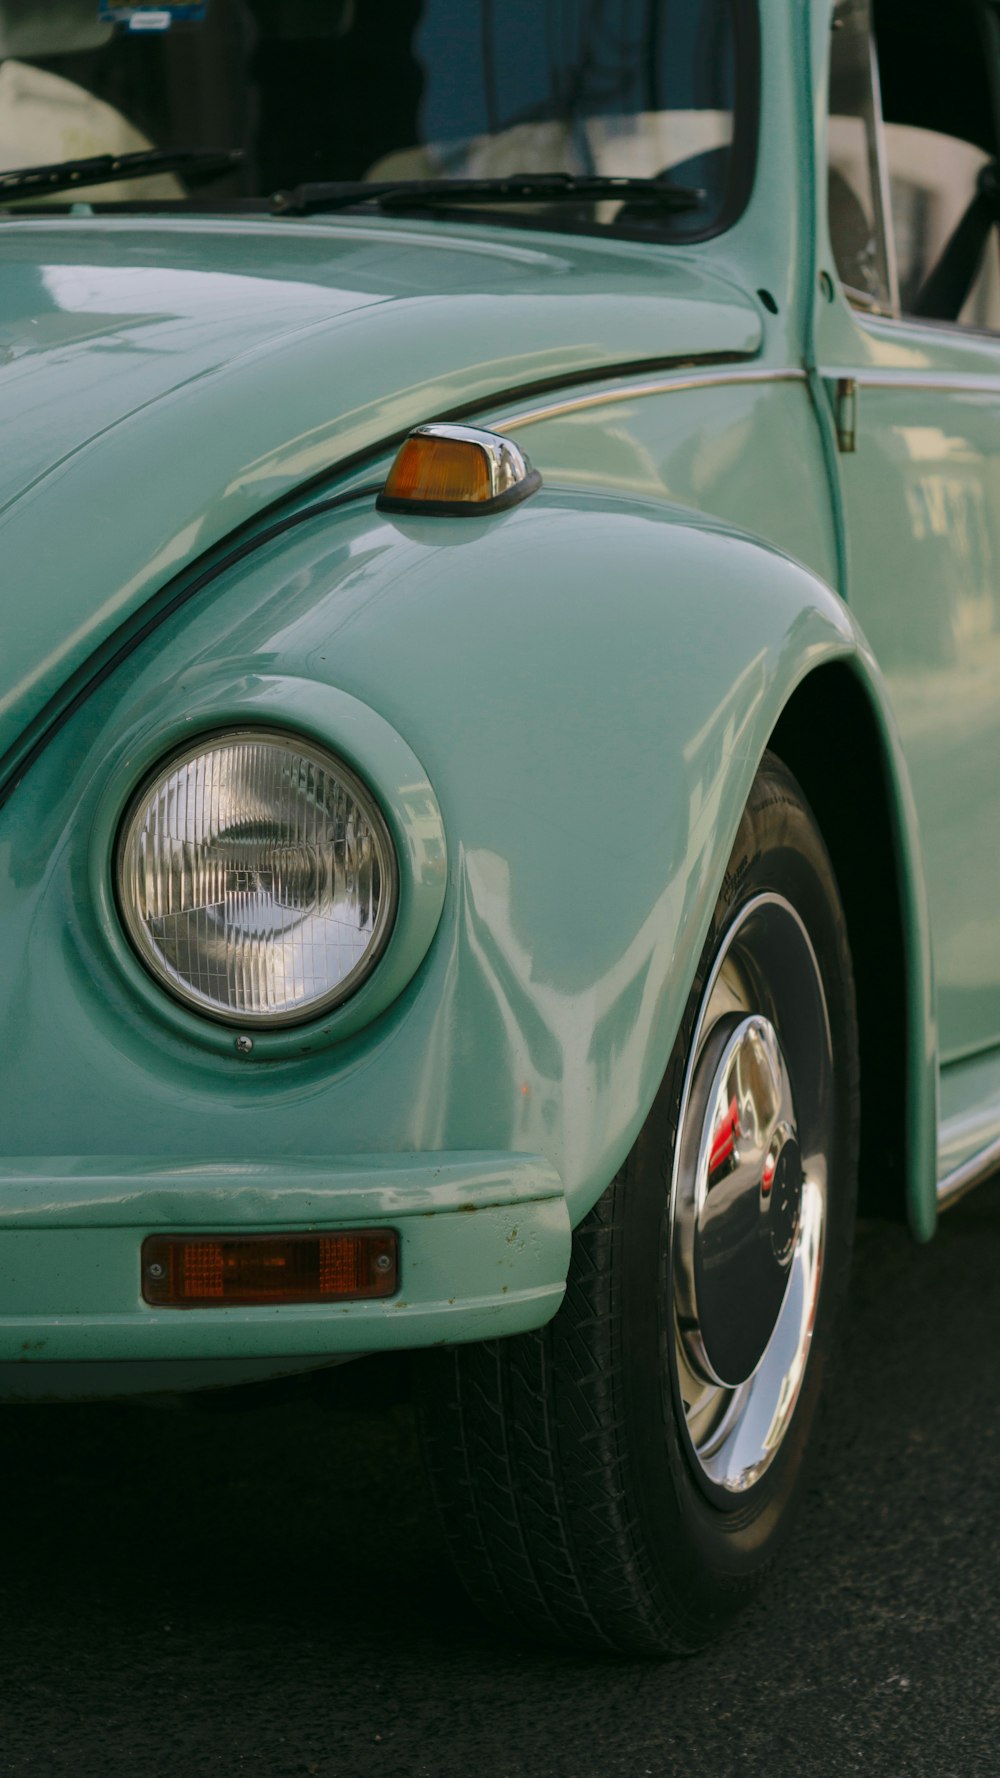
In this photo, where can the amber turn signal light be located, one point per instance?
(458, 470)
(205, 1271)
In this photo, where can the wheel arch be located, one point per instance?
(834, 735)
(546, 1011)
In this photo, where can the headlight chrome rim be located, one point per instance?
(193, 1002)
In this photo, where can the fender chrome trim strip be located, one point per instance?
(633, 391)
(938, 382)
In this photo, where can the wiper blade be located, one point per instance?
(195, 164)
(517, 188)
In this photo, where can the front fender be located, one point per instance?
(588, 686)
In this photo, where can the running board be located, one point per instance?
(972, 1172)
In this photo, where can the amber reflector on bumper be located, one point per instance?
(458, 470)
(200, 1271)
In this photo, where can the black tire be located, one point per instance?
(571, 1492)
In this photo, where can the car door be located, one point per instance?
(916, 400)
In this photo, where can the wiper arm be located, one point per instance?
(195, 164)
(517, 188)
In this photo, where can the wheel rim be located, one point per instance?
(749, 1196)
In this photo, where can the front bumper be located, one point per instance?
(484, 1251)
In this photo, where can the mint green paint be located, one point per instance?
(919, 532)
(922, 524)
(169, 381)
(484, 1246)
(695, 445)
(111, 1191)
(565, 705)
(539, 1022)
(473, 1277)
(699, 447)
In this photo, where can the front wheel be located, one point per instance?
(624, 1476)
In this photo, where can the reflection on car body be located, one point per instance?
(498, 730)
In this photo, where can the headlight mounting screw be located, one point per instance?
(244, 1045)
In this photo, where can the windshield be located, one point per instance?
(329, 90)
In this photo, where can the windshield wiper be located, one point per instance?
(194, 164)
(517, 188)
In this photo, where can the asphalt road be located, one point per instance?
(261, 1590)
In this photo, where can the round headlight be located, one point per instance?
(256, 878)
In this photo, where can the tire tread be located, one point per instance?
(526, 1440)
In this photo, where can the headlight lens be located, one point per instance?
(256, 878)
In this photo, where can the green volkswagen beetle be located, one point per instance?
(499, 728)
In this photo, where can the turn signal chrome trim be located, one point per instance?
(461, 471)
(210, 1271)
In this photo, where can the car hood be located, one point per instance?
(164, 381)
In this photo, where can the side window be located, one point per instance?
(857, 193)
(939, 106)
(932, 178)
(912, 134)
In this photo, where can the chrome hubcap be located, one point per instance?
(737, 1220)
(749, 1195)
